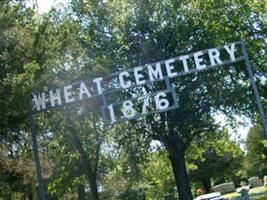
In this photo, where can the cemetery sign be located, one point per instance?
(145, 89)
(139, 91)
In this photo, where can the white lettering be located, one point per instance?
(55, 97)
(67, 94)
(198, 60)
(231, 51)
(128, 110)
(161, 103)
(122, 83)
(138, 75)
(154, 73)
(170, 67)
(98, 84)
(214, 56)
(84, 90)
(184, 59)
(39, 101)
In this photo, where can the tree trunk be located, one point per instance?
(206, 184)
(88, 167)
(177, 159)
(81, 192)
(30, 194)
(93, 188)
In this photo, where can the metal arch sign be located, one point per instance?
(144, 90)
(136, 101)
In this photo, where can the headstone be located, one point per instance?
(224, 188)
(255, 182)
(210, 196)
(265, 181)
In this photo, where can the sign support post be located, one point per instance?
(254, 87)
(36, 157)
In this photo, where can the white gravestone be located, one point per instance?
(224, 188)
(255, 182)
(265, 181)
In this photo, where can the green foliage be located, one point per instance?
(76, 144)
(256, 163)
(214, 158)
(30, 48)
(158, 173)
(152, 179)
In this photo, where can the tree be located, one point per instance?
(214, 157)
(77, 140)
(130, 175)
(17, 68)
(158, 175)
(134, 33)
(17, 174)
(30, 47)
(256, 148)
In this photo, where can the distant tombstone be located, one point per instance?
(265, 181)
(255, 182)
(224, 188)
(209, 196)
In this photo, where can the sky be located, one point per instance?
(45, 5)
(240, 133)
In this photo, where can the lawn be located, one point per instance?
(252, 192)
(258, 190)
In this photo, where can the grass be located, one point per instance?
(232, 195)
(252, 192)
(258, 190)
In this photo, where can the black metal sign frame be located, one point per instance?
(40, 99)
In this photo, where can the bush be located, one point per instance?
(244, 192)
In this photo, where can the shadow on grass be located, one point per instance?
(259, 193)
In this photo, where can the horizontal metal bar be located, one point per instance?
(142, 115)
(175, 58)
(141, 97)
(240, 58)
(134, 85)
